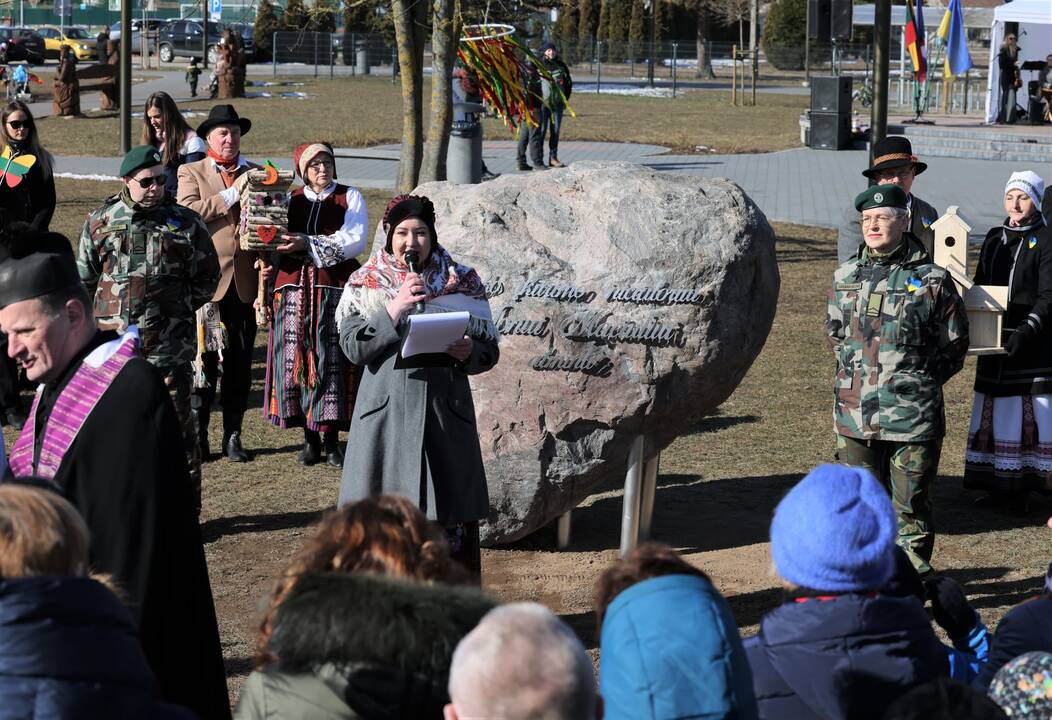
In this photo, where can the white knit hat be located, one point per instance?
(1030, 183)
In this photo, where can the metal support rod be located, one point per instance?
(598, 65)
(733, 76)
(630, 503)
(315, 35)
(807, 51)
(274, 53)
(881, 48)
(126, 76)
(675, 47)
(754, 49)
(204, 36)
(653, 42)
(646, 502)
(562, 530)
(967, 83)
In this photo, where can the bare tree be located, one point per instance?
(444, 50)
(410, 19)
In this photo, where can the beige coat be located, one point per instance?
(199, 186)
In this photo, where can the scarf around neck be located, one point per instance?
(448, 287)
(225, 165)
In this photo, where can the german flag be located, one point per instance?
(915, 40)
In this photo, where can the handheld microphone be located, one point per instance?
(412, 259)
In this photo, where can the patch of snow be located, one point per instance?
(615, 89)
(78, 176)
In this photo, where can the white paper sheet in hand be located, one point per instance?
(434, 332)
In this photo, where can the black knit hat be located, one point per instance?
(892, 152)
(33, 264)
(223, 115)
(404, 207)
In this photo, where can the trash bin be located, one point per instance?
(361, 66)
(464, 156)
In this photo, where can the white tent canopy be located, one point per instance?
(1035, 42)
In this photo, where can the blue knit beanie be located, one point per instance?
(835, 530)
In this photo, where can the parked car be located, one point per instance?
(23, 44)
(182, 38)
(76, 39)
(152, 26)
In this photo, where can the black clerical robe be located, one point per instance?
(126, 473)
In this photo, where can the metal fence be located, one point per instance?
(331, 53)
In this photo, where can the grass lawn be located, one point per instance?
(718, 485)
(367, 111)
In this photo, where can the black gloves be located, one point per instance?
(949, 606)
(1020, 338)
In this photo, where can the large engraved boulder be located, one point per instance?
(630, 302)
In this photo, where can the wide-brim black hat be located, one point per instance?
(223, 115)
(892, 152)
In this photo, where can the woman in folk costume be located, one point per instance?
(1009, 448)
(414, 429)
(310, 383)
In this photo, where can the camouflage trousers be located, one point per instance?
(907, 470)
(180, 385)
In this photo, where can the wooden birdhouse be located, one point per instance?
(986, 304)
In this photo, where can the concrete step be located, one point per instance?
(1040, 135)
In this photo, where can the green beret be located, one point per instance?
(143, 156)
(878, 196)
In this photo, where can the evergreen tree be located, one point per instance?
(617, 29)
(783, 34)
(603, 27)
(565, 31)
(322, 17)
(587, 21)
(637, 29)
(295, 17)
(356, 16)
(264, 28)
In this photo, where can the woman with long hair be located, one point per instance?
(33, 199)
(164, 128)
(1009, 80)
(363, 621)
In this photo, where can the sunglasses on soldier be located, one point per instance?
(152, 180)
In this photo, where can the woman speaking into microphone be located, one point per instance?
(413, 429)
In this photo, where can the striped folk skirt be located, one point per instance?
(310, 383)
(1009, 443)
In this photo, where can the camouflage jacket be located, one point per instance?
(899, 330)
(151, 267)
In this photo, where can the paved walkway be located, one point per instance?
(809, 187)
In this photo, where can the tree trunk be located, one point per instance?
(409, 37)
(704, 61)
(444, 50)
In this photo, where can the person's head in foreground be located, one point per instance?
(1023, 687)
(44, 308)
(409, 222)
(1023, 193)
(385, 535)
(839, 646)
(884, 217)
(222, 131)
(669, 646)
(40, 534)
(143, 176)
(522, 663)
(943, 699)
(315, 164)
(894, 163)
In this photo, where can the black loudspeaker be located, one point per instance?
(831, 94)
(830, 130)
(842, 17)
(818, 16)
(1036, 112)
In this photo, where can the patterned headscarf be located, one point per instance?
(1023, 687)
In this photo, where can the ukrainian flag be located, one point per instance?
(952, 33)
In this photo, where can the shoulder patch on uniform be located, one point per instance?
(913, 284)
(174, 223)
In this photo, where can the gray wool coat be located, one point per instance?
(413, 430)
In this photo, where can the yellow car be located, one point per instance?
(77, 39)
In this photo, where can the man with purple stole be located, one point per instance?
(103, 431)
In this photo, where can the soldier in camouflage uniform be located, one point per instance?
(899, 330)
(151, 263)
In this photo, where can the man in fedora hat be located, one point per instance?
(212, 188)
(893, 164)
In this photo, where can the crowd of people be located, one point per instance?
(133, 333)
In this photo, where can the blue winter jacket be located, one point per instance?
(671, 650)
(68, 650)
(1026, 628)
(844, 658)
